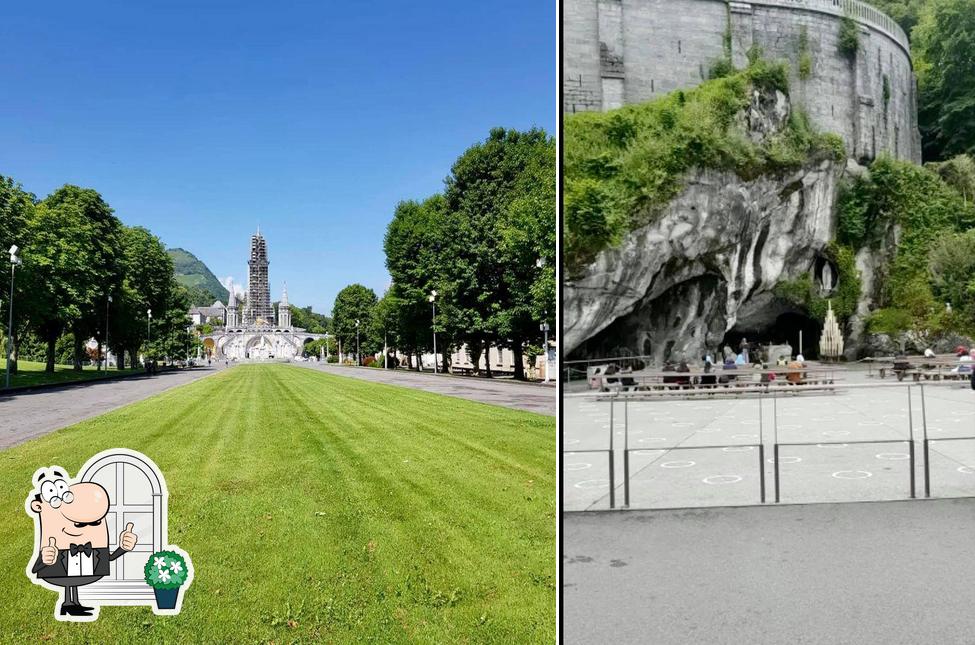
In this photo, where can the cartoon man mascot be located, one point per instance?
(73, 538)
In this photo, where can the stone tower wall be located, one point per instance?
(628, 51)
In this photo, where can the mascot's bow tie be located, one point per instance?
(81, 548)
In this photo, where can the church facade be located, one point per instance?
(254, 332)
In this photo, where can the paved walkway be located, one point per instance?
(26, 415)
(510, 394)
(891, 572)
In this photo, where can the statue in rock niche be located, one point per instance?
(826, 278)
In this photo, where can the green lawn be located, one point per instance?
(31, 373)
(318, 509)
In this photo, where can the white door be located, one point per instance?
(135, 496)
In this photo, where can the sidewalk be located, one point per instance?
(532, 397)
(880, 572)
(25, 415)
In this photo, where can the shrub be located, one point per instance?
(166, 570)
(721, 68)
(805, 57)
(889, 321)
(849, 37)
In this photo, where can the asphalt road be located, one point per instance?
(26, 415)
(510, 394)
(886, 572)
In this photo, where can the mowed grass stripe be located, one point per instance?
(321, 508)
(453, 533)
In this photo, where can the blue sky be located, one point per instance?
(202, 120)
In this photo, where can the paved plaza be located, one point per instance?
(890, 572)
(713, 451)
(532, 397)
(26, 415)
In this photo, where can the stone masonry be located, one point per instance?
(628, 51)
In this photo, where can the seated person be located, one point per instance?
(627, 381)
(794, 376)
(668, 368)
(728, 365)
(684, 368)
(708, 378)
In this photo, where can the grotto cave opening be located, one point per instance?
(782, 330)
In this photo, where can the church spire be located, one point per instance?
(284, 309)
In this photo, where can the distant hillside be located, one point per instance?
(202, 285)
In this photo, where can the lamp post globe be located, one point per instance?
(15, 262)
(433, 302)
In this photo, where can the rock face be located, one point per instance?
(708, 265)
(704, 272)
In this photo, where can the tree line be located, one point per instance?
(85, 275)
(485, 245)
(942, 35)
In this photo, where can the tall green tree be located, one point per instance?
(98, 238)
(16, 213)
(354, 303)
(943, 44)
(147, 283)
(489, 194)
(422, 246)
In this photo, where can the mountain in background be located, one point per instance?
(203, 287)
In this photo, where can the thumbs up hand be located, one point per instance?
(49, 553)
(127, 539)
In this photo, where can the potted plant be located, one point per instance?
(166, 572)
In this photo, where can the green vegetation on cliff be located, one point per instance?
(202, 287)
(622, 167)
(804, 292)
(930, 265)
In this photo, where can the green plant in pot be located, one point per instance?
(166, 572)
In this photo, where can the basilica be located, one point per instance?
(256, 333)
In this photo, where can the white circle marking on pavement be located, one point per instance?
(738, 448)
(677, 464)
(722, 479)
(577, 466)
(852, 474)
(593, 483)
(785, 460)
(893, 456)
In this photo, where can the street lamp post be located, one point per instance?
(14, 263)
(544, 328)
(326, 347)
(107, 304)
(358, 356)
(433, 301)
(148, 331)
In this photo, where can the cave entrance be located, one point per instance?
(784, 330)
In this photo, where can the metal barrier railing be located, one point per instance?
(775, 455)
(612, 478)
(761, 465)
(616, 397)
